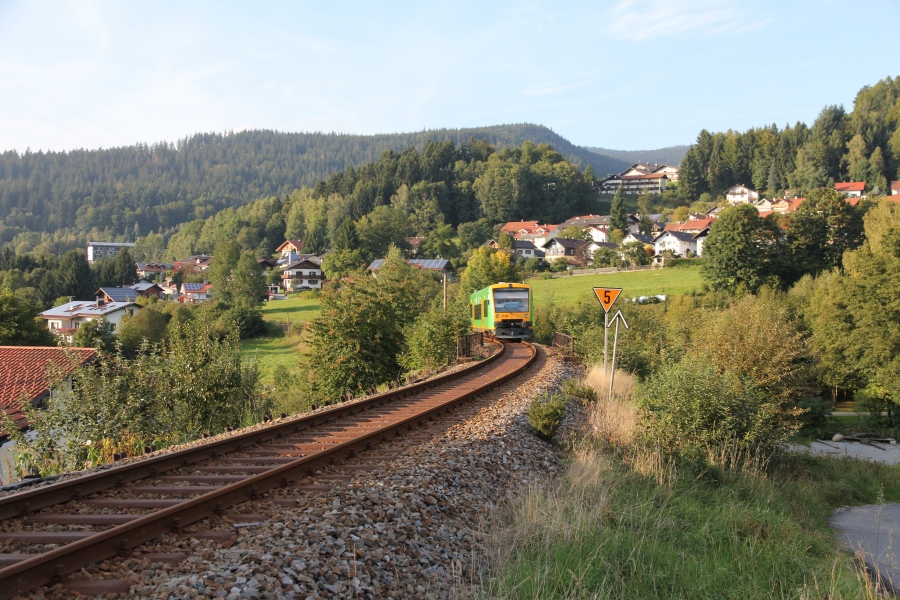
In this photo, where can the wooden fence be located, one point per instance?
(564, 343)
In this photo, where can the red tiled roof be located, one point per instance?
(514, 226)
(695, 225)
(23, 373)
(895, 186)
(850, 186)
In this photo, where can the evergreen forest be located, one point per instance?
(120, 194)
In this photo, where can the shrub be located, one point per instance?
(692, 409)
(545, 415)
(431, 341)
(574, 388)
(193, 383)
(814, 421)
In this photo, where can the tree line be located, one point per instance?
(58, 200)
(862, 145)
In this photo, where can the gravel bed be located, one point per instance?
(406, 530)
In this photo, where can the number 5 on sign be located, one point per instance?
(607, 296)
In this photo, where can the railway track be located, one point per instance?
(51, 531)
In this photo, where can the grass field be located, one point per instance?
(280, 349)
(569, 291)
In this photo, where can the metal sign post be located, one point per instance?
(612, 374)
(606, 296)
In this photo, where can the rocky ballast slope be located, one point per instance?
(403, 530)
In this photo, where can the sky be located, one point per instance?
(622, 74)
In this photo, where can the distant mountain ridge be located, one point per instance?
(128, 191)
(671, 155)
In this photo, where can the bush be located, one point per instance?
(246, 320)
(691, 409)
(573, 388)
(431, 341)
(545, 415)
(814, 421)
(192, 383)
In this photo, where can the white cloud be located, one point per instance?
(549, 90)
(641, 20)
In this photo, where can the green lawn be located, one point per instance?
(279, 349)
(295, 310)
(569, 291)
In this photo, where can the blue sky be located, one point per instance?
(623, 74)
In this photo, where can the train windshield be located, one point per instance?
(511, 300)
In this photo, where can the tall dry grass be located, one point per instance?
(614, 419)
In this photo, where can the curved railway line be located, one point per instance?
(53, 530)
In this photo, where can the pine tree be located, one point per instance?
(617, 217)
(74, 276)
(774, 182)
(345, 237)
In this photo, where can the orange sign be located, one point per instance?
(607, 296)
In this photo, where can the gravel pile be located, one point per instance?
(403, 530)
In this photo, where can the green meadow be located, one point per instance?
(570, 290)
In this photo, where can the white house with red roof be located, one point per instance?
(851, 189)
(895, 188)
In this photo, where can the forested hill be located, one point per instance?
(672, 155)
(130, 191)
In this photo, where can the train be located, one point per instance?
(503, 310)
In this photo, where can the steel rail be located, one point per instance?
(51, 566)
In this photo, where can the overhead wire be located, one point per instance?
(51, 122)
(66, 108)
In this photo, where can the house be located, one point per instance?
(197, 263)
(851, 189)
(895, 188)
(514, 227)
(117, 294)
(289, 246)
(148, 289)
(100, 250)
(169, 290)
(651, 183)
(527, 250)
(195, 293)
(783, 205)
(64, 320)
(643, 238)
(148, 269)
(592, 247)
(690, 226)
(598, 234)
(414, 243)
(24, 372)
(700, 239)
(426, 264)
(586, 221)
(740, 194)
(302, 274)
(640, 178)
(572, 250)
(268, 263)
(678, 242)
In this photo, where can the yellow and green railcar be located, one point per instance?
(503, 310)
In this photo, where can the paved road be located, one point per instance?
(874, 530)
